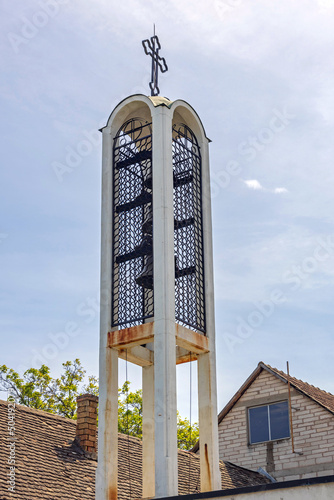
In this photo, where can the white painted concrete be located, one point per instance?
(207, 388)
(159, 380)
(148, 432)
(164, 307)
(313, 492)
(106, 473)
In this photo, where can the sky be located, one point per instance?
(260, 75)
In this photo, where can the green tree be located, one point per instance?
(130, 411)
(187, 434)
(130, 418)
(37, 389)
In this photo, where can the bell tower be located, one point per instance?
(157, 299)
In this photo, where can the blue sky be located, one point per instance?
(260, 75)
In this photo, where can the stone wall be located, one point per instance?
(313, 429)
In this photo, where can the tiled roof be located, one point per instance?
(325, 399)
(51, 466)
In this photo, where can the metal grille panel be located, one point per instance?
(132, 278)
(188, 235)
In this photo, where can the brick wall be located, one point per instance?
(86, 422)
(313, 429)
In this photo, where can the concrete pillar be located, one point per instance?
(208, 424)
(164, 307)
(148, 432)
(106, 473)
(107, 469)
(207, 388)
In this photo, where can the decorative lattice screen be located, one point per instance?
(188, 235)
(132, 225)
(132, 280)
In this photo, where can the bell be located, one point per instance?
(148, 180)
(143, 197)
(145, 246)
(148, 223)
(145, 279)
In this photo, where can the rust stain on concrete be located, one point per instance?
(135, 335)
(112, 493)
(186, 358)
(191, 340)
(207, 466)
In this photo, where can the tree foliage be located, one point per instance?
(37, 389)
(130, 418)
(187, 433)
(130, 411)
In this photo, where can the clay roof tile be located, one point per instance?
(50, 465)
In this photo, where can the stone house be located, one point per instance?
(255, 427)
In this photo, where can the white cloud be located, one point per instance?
(253, 184)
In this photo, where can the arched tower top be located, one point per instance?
(184, 113)
(130, 107)
(143, 106)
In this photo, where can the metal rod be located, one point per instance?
(290, 407)
(127, 417)
(190, 388)
(153, 70)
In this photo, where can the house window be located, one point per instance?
(269, 422)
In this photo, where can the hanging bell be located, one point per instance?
(148, 182)
(148, 178)
(143, 197)
(145, 279)
(145, 246)
(148, 223)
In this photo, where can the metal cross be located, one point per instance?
(152, 48)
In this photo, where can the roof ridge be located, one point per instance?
(40, 412)
(319, 396)
(285, 375)
(313, 386)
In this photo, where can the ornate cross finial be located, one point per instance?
(152, 48)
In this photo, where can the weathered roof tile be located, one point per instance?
(51, 466)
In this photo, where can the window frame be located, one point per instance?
(250, 443)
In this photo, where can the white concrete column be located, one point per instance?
(164, 307)
(107, 469)
(148, 432)
(106, 473)
(207, 388)
(208, 424)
